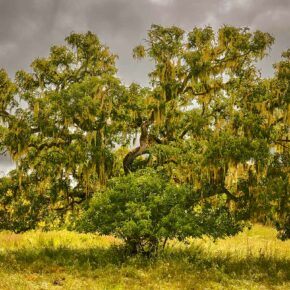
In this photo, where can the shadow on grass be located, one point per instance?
(267, 268)
(65, 257)
(262, 268)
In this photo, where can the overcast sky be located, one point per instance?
(29, 27)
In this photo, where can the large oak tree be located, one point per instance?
(208, 122)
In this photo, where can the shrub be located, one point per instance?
(145, 208)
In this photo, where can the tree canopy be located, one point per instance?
(201, 150)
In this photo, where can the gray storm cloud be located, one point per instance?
(29, 27)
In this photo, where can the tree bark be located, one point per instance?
(138, 151)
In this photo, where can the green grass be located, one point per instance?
(255, 259)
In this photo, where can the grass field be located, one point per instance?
(254, 259)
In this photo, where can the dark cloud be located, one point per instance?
(29, 27)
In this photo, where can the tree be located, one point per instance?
(209, 122)
(272, 199)
(63, 135)
(207, 141)
(146, 208)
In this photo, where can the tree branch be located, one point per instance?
(138, 151)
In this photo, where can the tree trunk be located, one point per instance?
(138, 151)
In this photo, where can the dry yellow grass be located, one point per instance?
(254, 259)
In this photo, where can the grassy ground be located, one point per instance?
(65, 260)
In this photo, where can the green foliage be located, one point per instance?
(145, 208)
(62, 137)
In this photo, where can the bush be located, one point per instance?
(145, 208)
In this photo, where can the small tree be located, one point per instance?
(146, 208)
